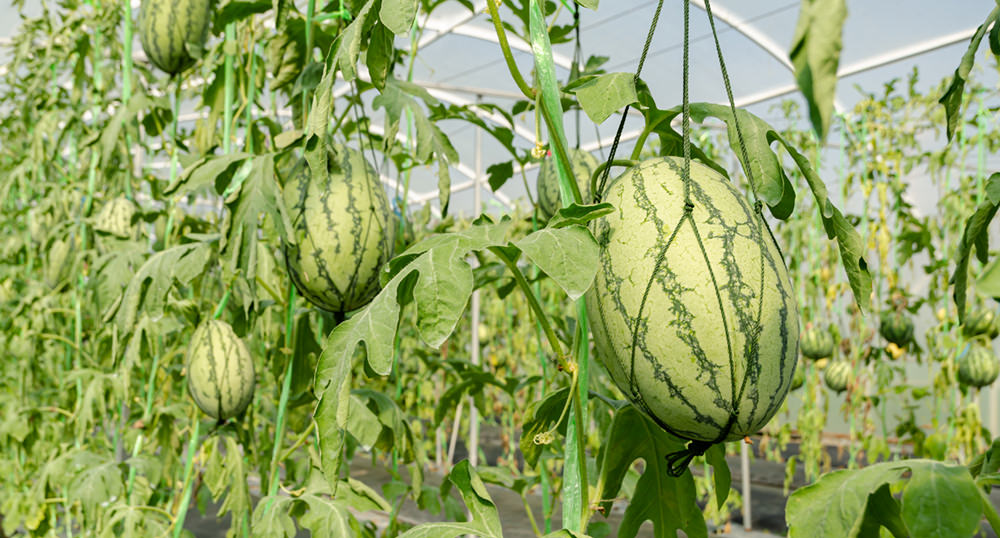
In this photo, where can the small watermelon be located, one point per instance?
(980, 322)
(838, 375)
(173, 32)
(816, 343)
(220, 371)
(549, 198)
(343, 228)
(799, 377)
(978, 367)
(699, 330)
(935, 446)
(896, 327)
(115, 217)
(59, 263)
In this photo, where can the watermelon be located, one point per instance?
(59, 263)
(980, 322)
(838, 375)
(798, 378)
(896, 327)
(115, 217)
(343, 229)
(978, 367)
(173, 32)
(816, 343)
(220, 371)
(935, 446)
(702, 338)
(549, 198)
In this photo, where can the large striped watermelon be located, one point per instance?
(978, 367)
(173, 32)
(220, 371)
(702, 337)
(549, 199)
(343, 231)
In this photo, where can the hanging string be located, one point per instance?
(678, 461)
(729, 95)
(621, 125)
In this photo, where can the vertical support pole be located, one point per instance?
(474, 306)
(745, 472)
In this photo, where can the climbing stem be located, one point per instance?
(188, 482)
(599, 171)
(286, 384)
(550, 334)
(508, 57)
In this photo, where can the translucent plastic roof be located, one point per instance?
(460, 62)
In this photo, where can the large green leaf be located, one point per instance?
(436, 275)
(397, 96)
(398, 15)
(147, 291)
(952, 98)
(225, 474)
(815, 53)
(349, 45)
(975, 236)
(938, 500)
(602, 96)
(97, 480)
(669, 502)
(484, 522)
(722, 478)
(852, 248)
(558, 251)
(834, 505)
(256, 196)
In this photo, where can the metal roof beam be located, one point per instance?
(873, 62)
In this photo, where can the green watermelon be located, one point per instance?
(980, 322)
(816, 343)
(935, 446)
(549, 199)
(896, 327)
(220, 371)
(173, 32)
(978, 367)
(115, 217)
(704, 341)
(343, 228)
(838, 375)
(799, 377)
(59, 263)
